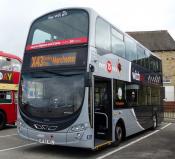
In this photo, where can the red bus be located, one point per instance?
(10, 66)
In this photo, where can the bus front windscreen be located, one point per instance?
(66, 27)
(51, 95)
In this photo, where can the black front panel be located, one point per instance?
(52, 87)
(51, 98)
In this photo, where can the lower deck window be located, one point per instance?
(5, 97)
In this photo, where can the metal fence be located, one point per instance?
(169, 111)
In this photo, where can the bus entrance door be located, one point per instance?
(102, 111)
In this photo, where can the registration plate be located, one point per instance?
(46, 141)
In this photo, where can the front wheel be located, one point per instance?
(2, 120)
(118, 135)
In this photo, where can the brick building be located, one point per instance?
(163, 45)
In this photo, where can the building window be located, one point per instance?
(166, 81)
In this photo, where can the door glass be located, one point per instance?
(101, 97)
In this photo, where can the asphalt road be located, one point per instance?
(158, 144)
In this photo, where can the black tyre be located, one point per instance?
(155, 122)
(2, 120)
(118, 135)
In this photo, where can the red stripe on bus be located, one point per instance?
(58, 43)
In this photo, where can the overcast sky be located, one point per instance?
(128, 15)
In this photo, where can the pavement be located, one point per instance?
(157, 144)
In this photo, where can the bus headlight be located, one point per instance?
(79, 127)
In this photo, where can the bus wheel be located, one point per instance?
(2, 120)
(155, 122)
(118, 134)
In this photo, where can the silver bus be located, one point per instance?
(84, 83)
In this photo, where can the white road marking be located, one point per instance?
(131, 143)
(8, 135)
(17, 147)
(165, 126)
(101, 157)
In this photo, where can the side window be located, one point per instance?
(142, 95)
(153, 64)
(16, 65)
(119, 94)
(118, 46)
(160, 66)
(148, 95)
(103, 39)
(131, 53)
(132, 94)
(157, 66)
(2, 62)
(155, 96)
(5, 97)
(141, 56)
(147, 59)
(5, 63)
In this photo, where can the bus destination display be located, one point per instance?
(53, 60)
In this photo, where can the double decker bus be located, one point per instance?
(10, 66)
(84, 83)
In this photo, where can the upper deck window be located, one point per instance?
(103, 38)
(141, 56)
(131, 53)
(8, 64)
(62, 27)
(118, 46)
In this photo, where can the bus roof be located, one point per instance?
(4, 54)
